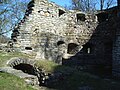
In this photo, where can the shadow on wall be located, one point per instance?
(96, 55)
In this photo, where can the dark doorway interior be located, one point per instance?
(26, 68)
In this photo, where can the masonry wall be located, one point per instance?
(96, 53)
(70, 37)
(116, 51)
(45, 25)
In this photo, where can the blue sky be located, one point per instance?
(62, 2)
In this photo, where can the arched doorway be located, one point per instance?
(26, 68)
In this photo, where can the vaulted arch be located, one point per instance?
(25, 65)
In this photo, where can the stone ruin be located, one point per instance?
(52, 30)
(69, 36)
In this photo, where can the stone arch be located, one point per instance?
(25, 65)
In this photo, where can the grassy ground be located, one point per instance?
(74, 81)
(10, 82)
(51, 67)
(80, 79)
(77, 79)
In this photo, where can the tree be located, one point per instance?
(105, 4)
(91, 5)
(4, 1)
(10, 14)
(83, 5)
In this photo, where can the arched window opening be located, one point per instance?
(26, 68)
(60, 42)
(28, 48)
(72, 48)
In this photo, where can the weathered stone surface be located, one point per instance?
(30, 79)
(116, 52)
(57, 34)
(45, 24)
(16, 61)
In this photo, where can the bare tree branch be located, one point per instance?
(10, 14)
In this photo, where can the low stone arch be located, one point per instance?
(25, 65)
(16, 61)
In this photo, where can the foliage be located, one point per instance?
(10, 82)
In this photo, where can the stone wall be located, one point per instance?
(97, 52)
(68, 36)
(48, 29)
(116, 51)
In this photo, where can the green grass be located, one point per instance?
(10, 82)
(48, 66)
(51, 67)
(77, 78)
(72, 82)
